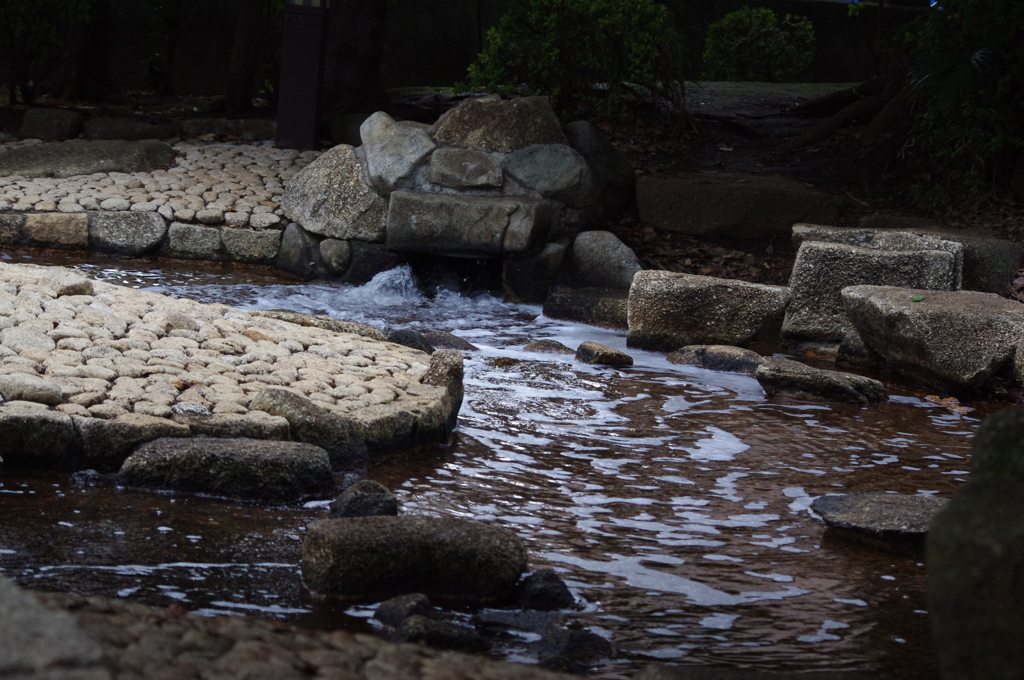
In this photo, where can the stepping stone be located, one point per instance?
(718, 358)
(595, 353)
(787, 378)
(878, 515)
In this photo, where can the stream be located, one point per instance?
(673, 500)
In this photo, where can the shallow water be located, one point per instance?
(673, 500)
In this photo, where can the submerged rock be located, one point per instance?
(446, 558)
(392, 612)
(268, 471)
(595, 353)
(718, 358)
(440, 634)
(364, 499)
(552, 346)
(890, 517)
(787, 378)
(572, 650)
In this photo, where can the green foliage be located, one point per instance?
(580, 52)
(752, 43)
(969, 90)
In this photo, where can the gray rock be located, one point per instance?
(669, 310)
(55, 230)
(446, 558)
(252, 425)
(552, 346)
(125, 128)
(442, 340)
(467, 225)
(439, 634)
(554, 171)
(465, 169)
(605, 307)
(720, 205)
(269, 471)
(718, 358)
(394, 152)
(311, 424)
(392, 612)
(527, 277)
(446, 370)
(600, 259)
(786, 378)
(50, 125)
(613, 175)
(955, 339)
(250, 246)
(38, 642)
(126, 233)
(83, 157)
(989, 263)
(192, 242)
(331, 197)
(107, 443)
(29, 387)
(501, 126)
(19, 338)
(545, 591)
(326, 322)
(365, 498)
(572, 650)
(411, 338)
(335, 255)
(367, 260)
(975, 555)
(892, 517)
(210, 216)
(299, 252)
(596, 353)
(34, 437)
(816, 312)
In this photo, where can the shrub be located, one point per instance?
(752, 43)
(969, 90)
(579, 53)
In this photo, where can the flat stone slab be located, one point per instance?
(787, 378)
(269, 471)
(886, 516)
(109, 368)
(956, 339)
(84, 157)
(448, 559)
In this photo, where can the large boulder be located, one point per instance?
(394, 151)
(787, 378)
(600, 259)
(448, 559)
(312, 424)
(668, 310)
(975, 556)
(594, 306)
(989, 263)
(467, 225)
(554, 171)
(821, 271)
(501, 126)
(613, 175)
(331, 197)
(50, 125)
(720, 205)
(465, 169)
(83, 157)
(126, 233)
(954, 339)
(269, 471)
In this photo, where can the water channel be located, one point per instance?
(674, 501)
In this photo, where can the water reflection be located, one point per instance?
(673, 500)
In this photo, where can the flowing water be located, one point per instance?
(674, 501)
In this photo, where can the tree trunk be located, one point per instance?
(92, 77)
(245, 54)
(355, 49)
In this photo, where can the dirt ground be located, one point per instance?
(739, 126)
